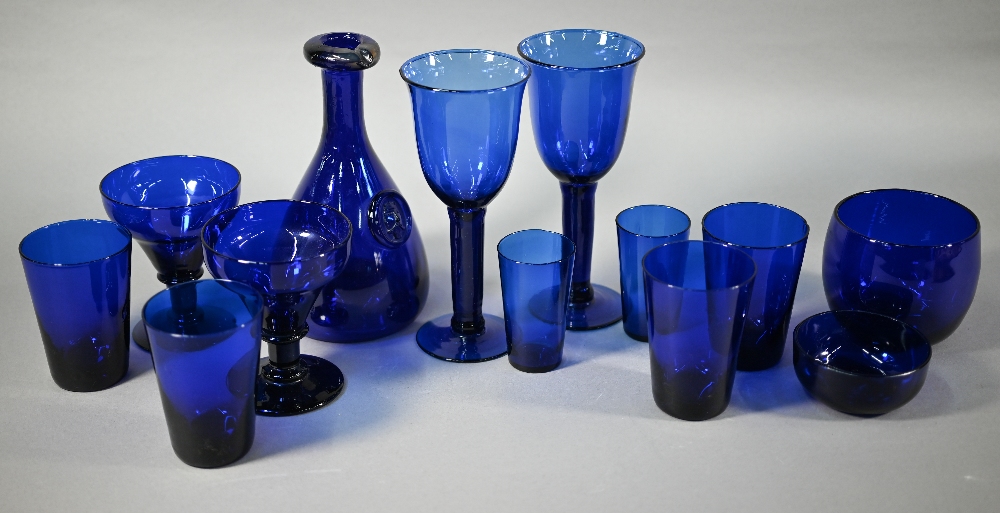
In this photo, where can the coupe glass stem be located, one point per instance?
(467, 227)
(578, 225)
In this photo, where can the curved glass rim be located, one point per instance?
(920, 338)
(196, 283)
(706, 289)
(973, 235)
(347, 240)
(527, 70)
(594, 68)
(572, 247)
(239, 180)
(790, 244)
(686, 228)
(128, 243)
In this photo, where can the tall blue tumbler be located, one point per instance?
(697, 295)
(775, 237)
(580, 93)
(205, 340)
(466, 109)
(535, 269)
(78, 275)
(641, 229)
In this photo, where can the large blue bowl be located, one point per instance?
(860, 363)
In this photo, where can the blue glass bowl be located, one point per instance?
(860, 363)
(911, 255)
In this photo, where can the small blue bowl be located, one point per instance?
(860, 363)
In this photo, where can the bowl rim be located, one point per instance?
(630, 62)
(239, 181)
(804, 237)
(516, 83)
(742, 283)
(658, 207)
(837, 370)
(571, 254)
(58, 224)
(973, 235)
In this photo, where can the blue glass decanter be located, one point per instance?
(385, 283)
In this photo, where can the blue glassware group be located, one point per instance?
(466, 109)
(78, 275)
(205, 339)
(911, 255)
(775, 237)
(385, 283)
(579, 96)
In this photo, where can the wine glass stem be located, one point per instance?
(578, 225)
(467, 226)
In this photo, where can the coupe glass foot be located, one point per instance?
(602, 311)
(437, 339)
(140, 337)
(317, 384)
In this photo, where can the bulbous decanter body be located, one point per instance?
(385, 283)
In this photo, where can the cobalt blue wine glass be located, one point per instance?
(580, 93)
(911, 255)
(286, 250)
(164, 202)
(466, 108)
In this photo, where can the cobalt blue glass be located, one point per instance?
(580, 93)
(78, 276)
(860, 363)
(385, 283)
(535, 271)
(288, 251)
(165, 201)
(911, 255)
(466, 109)
(775, 237)
(641, 229)
(697, 295)
(206, 353)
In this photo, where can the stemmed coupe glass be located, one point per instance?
(164, 202)
(580, 93)
(287, 251)
(466, 108)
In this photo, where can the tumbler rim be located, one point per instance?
(630, 62)
(706, 289)
(125, 247)
(973, 235)
(336, 247)
(686, 228)
(777, 246)
(239, 181)
(203, 283)
(572, 247)
(527, 70)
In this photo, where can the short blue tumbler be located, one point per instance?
(697, 295)
(535, 269)
(641, 229)
(205, 340)
(78, 275)
(775, 237)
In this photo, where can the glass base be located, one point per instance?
(437, 339)
(318, 384)
(602, 311)
(140, 337)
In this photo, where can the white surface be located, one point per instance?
(794, 103)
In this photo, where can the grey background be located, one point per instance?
(794, 103)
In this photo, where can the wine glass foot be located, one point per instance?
(602, 311)
(437, 339)
(319, 383)
(140, 337)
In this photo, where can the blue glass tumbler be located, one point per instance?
(775, 237)
(78, 276)
(910, 255)
(535, 269)
(287, 251)
(580, 94)
(164, 202)
(206, 354)
(641, 229)
(697, 295)
(466, 110)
